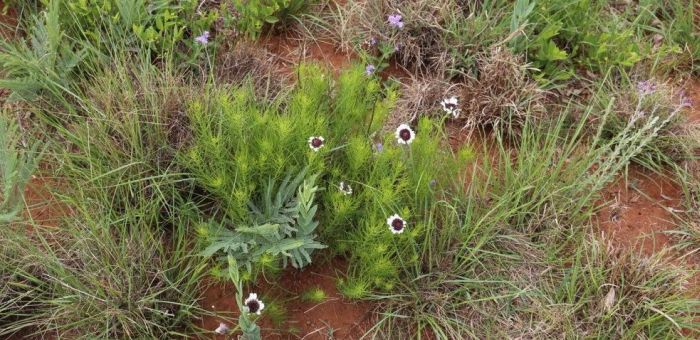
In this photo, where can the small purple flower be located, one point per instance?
(369, 70)
(203, 39)
(433, 183)
(372, 41)
(685, 101)
(397, 47)
(396, 21)
(646, 87)
(379, 147)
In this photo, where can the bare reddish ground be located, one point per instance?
(335, 317)
(640, 210)
(42, 208)
(292, 50)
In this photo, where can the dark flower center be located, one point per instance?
(405, 134)
(397, 224)
(316, 142)
(253, 306)
(451, 106)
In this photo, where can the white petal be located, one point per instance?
(251, 297)
(222, 329)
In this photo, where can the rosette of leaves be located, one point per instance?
(283, 226)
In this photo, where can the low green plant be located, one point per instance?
(16, 168)
(161, 26)
(579, 33)
(367, 175)
(284, 226)
(254, 15)
(314, 295)
(69, 40)
(45, 63)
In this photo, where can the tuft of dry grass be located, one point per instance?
(500, 95)
(614, 292)
(246, 61)
(421, 43)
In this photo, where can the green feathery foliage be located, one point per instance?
(16, 167)
(284, 226)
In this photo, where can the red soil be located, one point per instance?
(640, 210)
(335, 317)
(42, 208)
(292, 50)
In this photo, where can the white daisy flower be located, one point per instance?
(254, 305)
(404, 134)
(396, 224)
(316, 143)
(222, 329)
(345, 188)
(451, 106)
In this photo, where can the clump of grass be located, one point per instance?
(618, 292)
(121, 265)
(421, 96)
(437, 37)
(509, 244)
(501, 94)
(314, 295)
(687, 174)
(647, 100)
(669, 26)
(100, 276)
